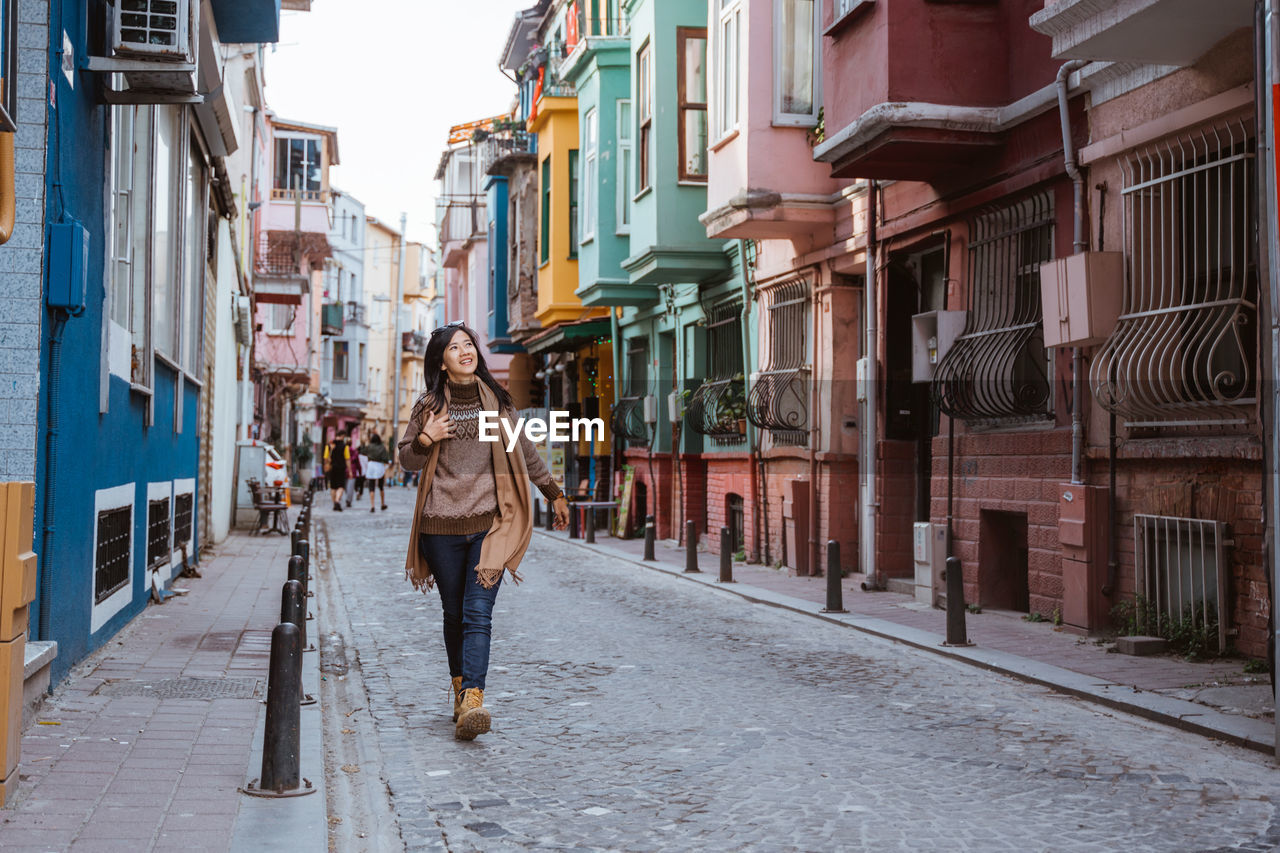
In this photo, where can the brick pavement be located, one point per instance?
(1037, 641)
(121, 756)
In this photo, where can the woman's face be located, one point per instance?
(460, 357)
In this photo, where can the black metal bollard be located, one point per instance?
(726, 559)
(956, 634)
(835, 592)
(691, 548)
(650, 531)
(551, 519)
(293, 604)
(537, 513)
(281, 746)
(303, 550)
(591, 527)
(573, 523)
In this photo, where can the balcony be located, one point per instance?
(280, 265)
(916, 90)
(1160, 32)
(413, 344)
(355, 314)
(500, 152)
(331, 319)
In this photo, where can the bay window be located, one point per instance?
(796, 74)
(573, 204)
(691, 53)
(728, 66)
(590, 155)
(644, 113)
(297, 165)
(623, 224)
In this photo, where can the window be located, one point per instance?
(280, 319)
(298, 165)
(1184, 351)
(997, 371)
(114, 547)
(544, 250)
(720, 403)
(193, 286)
(183, 513)
(590, 155)
(624, 167)
(158, 549)
(628, 413)
(341, 356)
(644, 98)
(573, 203)
(361, 369)
(692, 87)
(795, 62)
(779, 398)
(167, 215)
(729, 66)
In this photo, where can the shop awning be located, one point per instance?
(566, 337)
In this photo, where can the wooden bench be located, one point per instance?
(271, 508)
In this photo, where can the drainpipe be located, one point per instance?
(1267, 102)
(8, 196)
(815, 432)
(1079, 243)
(615, 332)
(395, 343)
(869, 502)
(51, 476)
(753, 434)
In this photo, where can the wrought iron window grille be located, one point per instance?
(997, 372)
(158, 528)
(779, 398)
(183, 516)
(718, 409)
(111, 563)
(1184, 350)
(628, 412)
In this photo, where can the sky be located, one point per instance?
(393, 76)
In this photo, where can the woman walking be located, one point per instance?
(375, 470)
(472, 522)
(336, 456)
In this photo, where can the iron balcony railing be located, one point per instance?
(502, 145)
(718, 408)
(355, 315)
(1184, 350)
(413, 343)
(279, 256)
(282, 194)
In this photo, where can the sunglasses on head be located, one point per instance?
(455, 324)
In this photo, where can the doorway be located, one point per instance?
(1003, 582)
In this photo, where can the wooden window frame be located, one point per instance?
(684, 107)
(644, 116)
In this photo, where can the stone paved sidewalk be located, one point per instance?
(1245, 702)
(143, 745)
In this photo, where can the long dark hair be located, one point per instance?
(433, 371)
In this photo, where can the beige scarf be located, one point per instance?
(505, 543)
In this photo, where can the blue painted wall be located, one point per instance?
(496, 206)
(92, 451)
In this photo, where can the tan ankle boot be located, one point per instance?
(473, 717)
(457, 696)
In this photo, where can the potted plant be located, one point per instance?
(302, 456)
(733, 405)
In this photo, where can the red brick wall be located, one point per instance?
(1017, 472)
(896, 492)
(725, 476)
(639, 459)
(1226, 490)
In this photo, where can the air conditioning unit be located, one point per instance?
(244, 321)
(159, 30)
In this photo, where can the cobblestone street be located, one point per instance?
(633, 712)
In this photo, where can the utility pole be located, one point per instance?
(396, 344)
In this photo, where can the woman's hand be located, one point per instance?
(561, 507)
(436, 429)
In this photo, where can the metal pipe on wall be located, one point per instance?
(1079, 243)
(815, 433)
(395, 342)
(753, 434)
(868, 462)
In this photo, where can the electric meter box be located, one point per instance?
(68, 266)
(932, 334)
(1082, 297)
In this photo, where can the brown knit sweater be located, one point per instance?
(463, 498)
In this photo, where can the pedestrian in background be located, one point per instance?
(337, 455)
(364, 469)
(355, 475)
(472, 522)
(376, 469)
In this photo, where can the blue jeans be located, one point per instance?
(468, 606)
